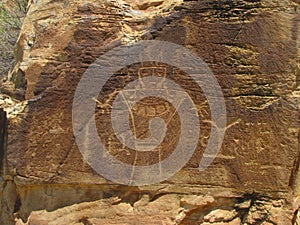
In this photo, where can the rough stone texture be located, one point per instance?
(220, 215)
(251, 47)
(3, 137)
(168, 209)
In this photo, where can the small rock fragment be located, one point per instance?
(220, 215)
(236, 221)
(191, 202)
(244, 205)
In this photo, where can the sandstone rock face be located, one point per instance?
(168, 209)
(252, 49)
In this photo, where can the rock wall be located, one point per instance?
(3, 138)
(251, 47)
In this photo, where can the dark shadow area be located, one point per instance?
(3, 140)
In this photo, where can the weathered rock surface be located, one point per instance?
(251, 47)
(168, 209)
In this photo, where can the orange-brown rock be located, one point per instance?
(251, 46)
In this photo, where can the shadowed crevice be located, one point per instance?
(3, 140)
